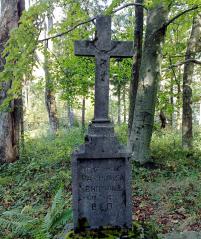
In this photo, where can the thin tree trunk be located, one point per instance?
(49, 91)
(138, 38)
(179, 113)
(187, 128)
(162, 119)
(111, 109)
(172, 104)
(70, 117)
(143, 119)
(200, 113)
(10, 120)
(83, 112)
(172, 93)
(119, 104)
(19, 104)
(124, 102)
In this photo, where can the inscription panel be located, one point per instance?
(102, 191)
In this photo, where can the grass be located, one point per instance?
(167, 195)
(30, 184)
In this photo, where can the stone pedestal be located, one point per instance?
(101, 180)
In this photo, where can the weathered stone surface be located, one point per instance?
(103, 48)
(102, 180)
(101, 167)
(182, 235)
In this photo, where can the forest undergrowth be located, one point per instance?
(35, 192)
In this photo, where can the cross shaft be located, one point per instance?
(102, 48)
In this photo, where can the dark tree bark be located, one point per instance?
(10, 120)
(143, 119)
(124, 102)
(83, 112)
(138, 39)
(119, 104)
(50, 100)
(162, 119)
(187, 132)
(172, 92)
(172, 104)
(19, 106)
(179, 113)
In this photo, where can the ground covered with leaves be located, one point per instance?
(35, 192)
(168, 192)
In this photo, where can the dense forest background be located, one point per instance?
(47, 100)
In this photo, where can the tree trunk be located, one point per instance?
(124, 102)
(138, 38)
(119, 104)
(200, 113)
(111, 109)
(49, 88)
(83, 112)
(172, 103)
(10, 120)
(162, 119)
(143, 119)
(187, 132)
(19, 105)
(70, 117)
(172, 92)
(179, 113)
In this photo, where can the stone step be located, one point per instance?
(182, 235)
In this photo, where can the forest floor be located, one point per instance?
(166, 193)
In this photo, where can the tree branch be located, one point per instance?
(182, 63)
(68, 31)
(129, 5)
(179, 15)
(90, 20)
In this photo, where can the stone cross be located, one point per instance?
(101, 167)
(103, 48)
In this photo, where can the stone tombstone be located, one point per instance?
(101, 168)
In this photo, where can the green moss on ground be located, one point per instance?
(138, 231)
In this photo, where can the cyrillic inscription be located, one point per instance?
(101, 189)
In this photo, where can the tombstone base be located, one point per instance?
(101, 180)
(138, 230)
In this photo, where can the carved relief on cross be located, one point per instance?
(103, 48)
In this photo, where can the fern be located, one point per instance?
(23, 223)
(58, 215)
(19, 223)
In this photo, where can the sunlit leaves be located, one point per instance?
(20, 50)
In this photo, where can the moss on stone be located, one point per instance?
(138, 231)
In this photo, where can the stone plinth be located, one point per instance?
(101, 180)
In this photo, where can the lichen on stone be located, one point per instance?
(138, 231)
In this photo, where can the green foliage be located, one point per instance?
(122, 133)
(27, 187)
(171, 182)
(167, 191)
(150, 4)
(20, 51)
(32, 202)
(34, 206)
(113, 5)
(23, 224)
